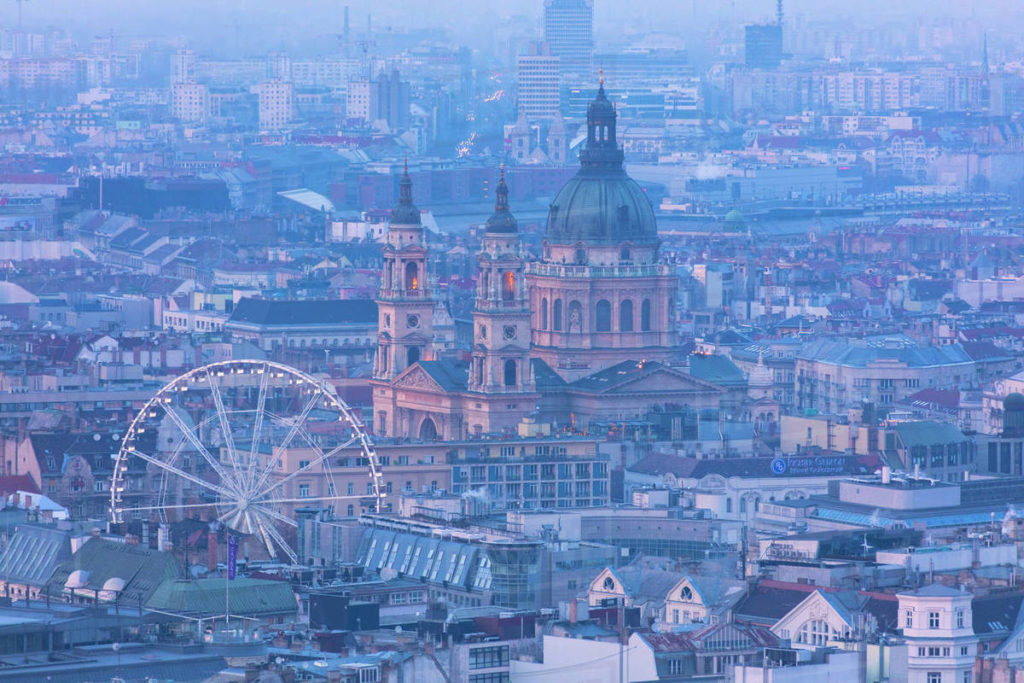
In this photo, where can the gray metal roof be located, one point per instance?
(33, 554)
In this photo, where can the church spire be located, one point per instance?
(502, 220)
(601, 148)
(406, 212)
(501, 194)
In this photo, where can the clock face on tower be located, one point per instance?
(509, 332)
(412, 320)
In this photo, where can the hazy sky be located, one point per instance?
(280, 23)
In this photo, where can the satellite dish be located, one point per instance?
(96, 437)
(388, 573)
(398, 629)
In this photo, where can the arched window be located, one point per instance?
(603, 317)
(414, 355)
(645, 316)
(626, 316)
(556, 316)
(508, 285)
(728, 506)
(485, 284)
(544, 314)
(412, 276)
(510, 373)
(743, 506)
(428, 430)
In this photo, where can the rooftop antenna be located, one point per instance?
(778, 12)
(20, 3)
(346, 34)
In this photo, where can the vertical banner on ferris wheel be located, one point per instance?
(232, 555)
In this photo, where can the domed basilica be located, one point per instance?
(582, 335)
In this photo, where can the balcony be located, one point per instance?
(583, 272)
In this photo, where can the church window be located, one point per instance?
(556, 316)
(581, 257)
(624, 255)
(544, 314)
(814, 632)
(645, 316)
(626, 316)
(510, 373)
(485, 284)
(412, 276)
(508, 285)
(603, 317)
(414, 355)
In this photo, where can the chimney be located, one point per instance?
(211, 552)
(886, 474)
(572, 611)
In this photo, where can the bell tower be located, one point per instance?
(501, 316)
(405, 303)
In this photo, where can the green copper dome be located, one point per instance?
(601, 204)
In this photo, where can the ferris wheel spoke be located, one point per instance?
(200, 448)
(225, 425)
(278, 516)
(183, 474)
(283, 446)
(261, 404)
(279, 540)
(321, 457)
(266, 538)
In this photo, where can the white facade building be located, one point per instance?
(938, 628)
(276, 102)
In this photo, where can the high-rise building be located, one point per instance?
(538, 80)
(357, 100)
(389, 100)
(763, 46)
(569, 32)
(276, 102)
(183, 66)
(190, 102)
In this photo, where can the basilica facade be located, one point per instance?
(583, 335)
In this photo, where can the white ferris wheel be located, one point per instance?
(244, 443)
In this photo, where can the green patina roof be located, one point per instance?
(928, 433)
(248, 597)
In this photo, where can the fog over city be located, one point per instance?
(512, 342)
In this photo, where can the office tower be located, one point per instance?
(389, 100)
(763, 46)
(537, 84)
(183, 66)
(190, 102)
(569, 31)
(276, 99)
